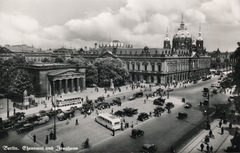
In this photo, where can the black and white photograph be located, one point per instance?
(119, 76)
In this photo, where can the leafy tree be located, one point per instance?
(236, 74)
(218, 60)
(78, 61)
(46, 60)
(59, 59)
(91, 75)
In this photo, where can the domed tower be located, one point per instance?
(166, 43)
(182, 39)
(199, 42)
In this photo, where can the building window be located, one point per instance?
(145, 67)
(133, 66)
(128, 67)
(153, 67)
(138, 66)
(159, 68)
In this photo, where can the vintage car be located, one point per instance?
(7, 124)
(103, 105)
(187, 105)
(130, 111)
(32, 118)
(136, 133)
(182, 115)
(205, 102)
(120, 113)
(86, 108)
(116, 101)
(25, 127)
(17, 116)
(159, 109)
(42, 120)
(170, 89)
(100, 99)
(65, 115)
(231, 98)
(19, 124)
(157, 100)
(142, 116)
(169, 105)
(148, 148)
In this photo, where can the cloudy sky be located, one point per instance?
(79, 23)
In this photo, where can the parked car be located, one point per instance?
(120, 113)
(20, 123)
(159, 90)
(65, 114)
(32, 118)
(7, 124)
(86, 108)
(214, 91)
(103, 106)
(212, 85)
(157, 102)
(100, 99)
(205, 102)
(17, 116)
(116, 101)
(182, 115)
(142, 116)
(148, 148)
(25, 128)
(3, 133)
(139, 94)
(159, 109)
(169, 105)
(130, 111)
(136, 133)
(42, 120)
(160, 99)
(195, 81)
(187, 105)
(51, 112)
(132, 97)
(205, 90)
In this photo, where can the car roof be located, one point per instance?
(27, 124)
(147, 145)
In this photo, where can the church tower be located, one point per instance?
(166, 43)
(199, 42)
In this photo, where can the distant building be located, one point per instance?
(22, 48)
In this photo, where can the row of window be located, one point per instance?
(145, 67)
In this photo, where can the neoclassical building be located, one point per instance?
(184, 59)
(56, 79)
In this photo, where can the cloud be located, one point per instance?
(137, 22)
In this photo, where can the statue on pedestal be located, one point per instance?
(25, 98)
(111, 84)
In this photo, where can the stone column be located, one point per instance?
(84, 83)
(53, 87)
(66, 86)
(72, 85)
(60, 87)
(77, 84)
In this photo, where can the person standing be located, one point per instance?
(230, 125)
(208, 148)
(211, 149)
(222, 130)
(34, 138)
(202, 147)
(62, 146)
(46, 141)
(220, 124)
(210, 133)
(76, 122)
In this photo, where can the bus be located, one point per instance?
(109, 121)
(68, 103)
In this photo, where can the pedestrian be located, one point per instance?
(62, 146)
(145, 101)
(34, 138)
(222, 130)
(210, 133)
(46, 141)
(211, 149)
(113, 132)
(76, 122)
(112, 111)
(202, 146)
(70, 116)
(208, 148)
(150, 114)
(14, 111)
(220, 124)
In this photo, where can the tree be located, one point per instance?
(59, 59)
(236, 74)
(111, 68)
(91, 75)
(46, 60)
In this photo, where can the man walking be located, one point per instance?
(34, 138)
(220, 124)
(76, 122)
(222, 131)
(208, 148)
(202, 146)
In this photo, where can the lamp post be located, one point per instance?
(168, 92)
(7, 99)
(54, 128)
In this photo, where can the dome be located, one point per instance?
(182, 34)
(166, 39)
(199, 38)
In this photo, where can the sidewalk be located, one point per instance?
(220, 142)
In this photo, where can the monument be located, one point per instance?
(25, 99)
(111, 85)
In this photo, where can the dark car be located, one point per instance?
(3, 133)
(120, 113)
(137, 133)
(205, 102)
(65, 114)
(195, 81)
(160, 99)
(25, 127)
(17, 116)
(182, 115)
(187, 105)
(20, 123)
(32, 118)
(158, 102)
(116, 101)
(103, 106)
(148, 148)
(139, 94)
(142, 116)
(132, 97)
(7, 124)
(100, 99)
(205, 90)
(159, 109)
(159, 90)
(130, 111)
(86, 108)
(169, 105)
(51, 112)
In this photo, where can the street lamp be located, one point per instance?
(7, 99)
(168, 92)
(54, 128)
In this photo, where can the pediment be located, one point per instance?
(63, 73)
(108, 54)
